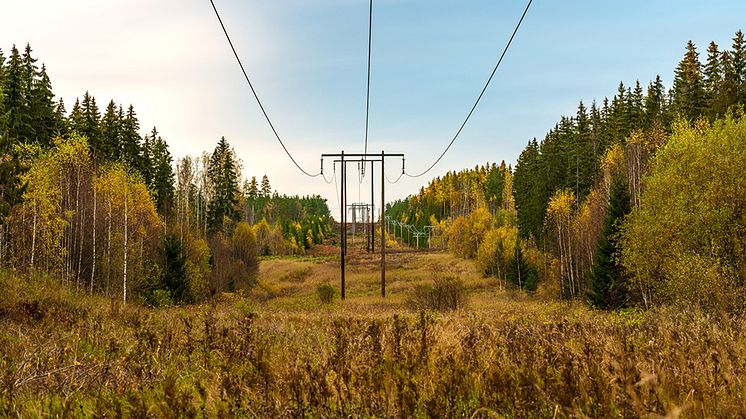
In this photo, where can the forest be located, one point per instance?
(601, 275)
(92, 200)
(633, 201)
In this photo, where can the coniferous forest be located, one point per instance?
(635, 200)
(601, 275)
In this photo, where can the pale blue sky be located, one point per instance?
(308, 59)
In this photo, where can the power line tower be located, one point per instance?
(361, 158)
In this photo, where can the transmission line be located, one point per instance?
(367, 94)
(480, 94)
(256, 96)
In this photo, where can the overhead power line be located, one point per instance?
(484, 89)
(256, 96)
(367, 95)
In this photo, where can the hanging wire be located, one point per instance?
(479, 98)
(334, 175)
(367, 94)
(256, 96)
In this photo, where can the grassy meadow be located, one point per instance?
(278, 351)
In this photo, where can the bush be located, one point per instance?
(326, 293)
(159, 298)
(446, 294)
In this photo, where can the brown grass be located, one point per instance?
(289, 355)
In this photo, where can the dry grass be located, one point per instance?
(283, 353)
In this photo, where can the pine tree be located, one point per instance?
(608, 278)
(253, 189)
(266, 190)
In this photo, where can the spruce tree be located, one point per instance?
(91, 124)
(163, 177)
(60, 119)
(729, 87)
(529, 192)
(174, 277)
(608, 281)
(11, 188)
(636, 107)
(518, 269)
(654, 103)
(713, 80)
(688, 91)
(76, 121)
(42, 108)
(18, 123)
(111, 136)
(2, 68)
(131, 139)
(739, 66)
(222, 173)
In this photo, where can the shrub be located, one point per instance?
(446, 294)
(159, 298)
(326, 293)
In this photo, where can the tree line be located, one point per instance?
(88, 199)
(582, 197)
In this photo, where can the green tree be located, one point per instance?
(91, 124)
(266, 190)
(688, 92)
(608, 279)
(41, 106)
(16, 102)
(60, 119)
(739, 66)
(111, 133)
(687, 241)
(11, 188)
(529, 192)
(76, 121)
(518, 269)
(131, 139)
(174, 277)
(222, 173)
(162, 182)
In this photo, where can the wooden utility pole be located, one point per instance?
(343, 221)
(383, 233)
(344, 159)
(372, 213)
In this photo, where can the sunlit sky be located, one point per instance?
(307, 60)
